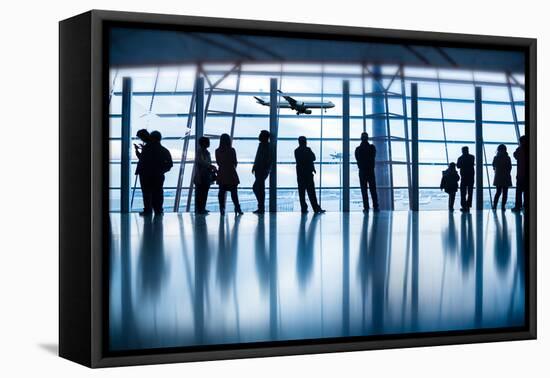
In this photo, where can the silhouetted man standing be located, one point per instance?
(466, 165)
(304, 172)
(365, 155)
(261, 169)
(156, 161)
(521, 154)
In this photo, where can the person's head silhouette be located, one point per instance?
(225, 141)
(302, 141)
(364, 137)
(501, 149)
(452, 166)
(264, 136)
(155, 136)
(204, 142)
(465, 150)
(143, 135)
(523, 141)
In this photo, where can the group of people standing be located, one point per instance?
(502, 166)
(225, 174)
(154, 161)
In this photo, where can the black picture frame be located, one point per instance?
(83, 196)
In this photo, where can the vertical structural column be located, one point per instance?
(199, 129)
(414, 148)
(381, 141)
(273, 130)
(345, 146)
(479, 150)
(125, 158)
(199, 112)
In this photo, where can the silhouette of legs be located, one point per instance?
(452, 196)
(368, 182)
(234, 197)
(147, 195)
(504, 191)
(466, 191)
(259, 191)
(200, 198)
(521, 198)
(307, 184)
(157, 193)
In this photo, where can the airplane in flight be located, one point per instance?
(300, 107)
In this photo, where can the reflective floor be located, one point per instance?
(184, 280)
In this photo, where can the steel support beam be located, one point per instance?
(126, 139)
(381, 140)
(479, 149)
(199, 113)
(273, 130)
(345, 147)
(413, 201)
(199, 130)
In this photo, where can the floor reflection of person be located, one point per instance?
(305, 169)
(467, 173)
(521, 155)
(261, 169)
(228, 179)
(365, 155)
(204, 175)
(502, 165)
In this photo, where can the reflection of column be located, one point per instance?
(381, 141)
(479, 150)
(413, 203)
(125, 156)
(273, 292)
(345, 278)
(201, 262)
(128, 332)
(273, 130)
(414, 275)
(479, 270)
(345, 146)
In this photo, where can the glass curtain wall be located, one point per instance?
(162, 99)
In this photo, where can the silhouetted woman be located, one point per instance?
(449, 183)
(205, 173)
(228, 180)
(502, 164)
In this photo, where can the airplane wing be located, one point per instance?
(289, 99)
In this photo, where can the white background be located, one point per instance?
(29, 188)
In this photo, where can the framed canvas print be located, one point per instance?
(235, 188)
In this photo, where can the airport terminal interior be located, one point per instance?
(186, 280)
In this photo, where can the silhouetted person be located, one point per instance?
(365, 155)
(521, 155)
(156, 161)
(261, 169)
(466, 165)
(205, 174)
(304, 172)
(144, 136)
(228, 180)
(449, 183)
(502, 165)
